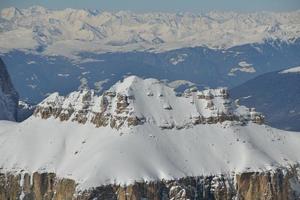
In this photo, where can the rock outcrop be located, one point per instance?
(37, 186)
(135, 101)
(281, 184)
(8, 96)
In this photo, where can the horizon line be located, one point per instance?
(151, 11)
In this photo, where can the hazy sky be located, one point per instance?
(161, 5)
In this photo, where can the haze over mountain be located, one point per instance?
(68, 32)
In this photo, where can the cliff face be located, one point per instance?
(135, 101)
(8, 96)
(37, 186)
(282, 184)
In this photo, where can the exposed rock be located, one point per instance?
(210, 104)
(269, 185)
(45, 186)
(120, 108)
(134, 121)
(122, 104)
(8, 96)
(167, 107)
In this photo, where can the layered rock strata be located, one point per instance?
(126, 104)
(281, 184)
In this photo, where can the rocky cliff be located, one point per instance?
(8, 96)
(124, 105)
(281, 184)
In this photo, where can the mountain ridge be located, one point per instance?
(94, 156)
(46, 31)
(135, 101)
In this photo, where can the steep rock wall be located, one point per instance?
(8, 96)
(281, 184)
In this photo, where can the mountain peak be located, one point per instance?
(10, 13)
(37, 9)
(135, 101)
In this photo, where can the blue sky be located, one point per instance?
(161, 5)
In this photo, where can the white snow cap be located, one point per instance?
(67, 32)
(142, 101)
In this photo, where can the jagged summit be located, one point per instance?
(135, 101)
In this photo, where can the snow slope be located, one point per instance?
(291, 70)
(94, 156)
(67, 32)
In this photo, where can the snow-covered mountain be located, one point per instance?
(8, 96)
(142, 130)
(276, 94)
(67, 32)
(136, 101)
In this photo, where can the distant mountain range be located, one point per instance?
(63, 50)
(70, 31)
(276, 94)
